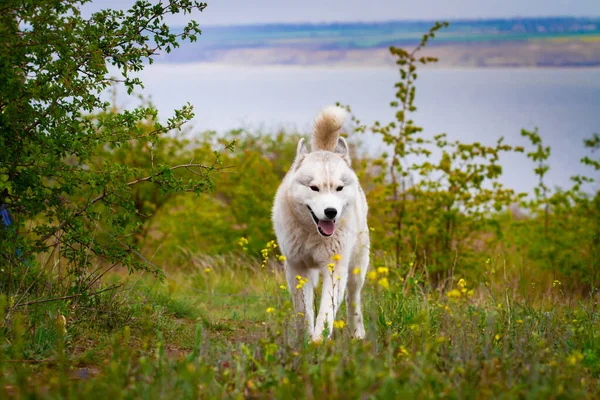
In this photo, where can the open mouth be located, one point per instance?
(326, 227)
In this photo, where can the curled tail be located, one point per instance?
(326, 128)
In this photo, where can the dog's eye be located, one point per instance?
(314, 188)
(339, 188)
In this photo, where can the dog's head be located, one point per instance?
(323, 186)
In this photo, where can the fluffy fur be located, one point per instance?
(320, 211)
(326, 127)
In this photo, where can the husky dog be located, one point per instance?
(320, 219)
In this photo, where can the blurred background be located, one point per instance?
(260, 72)
(503, 66)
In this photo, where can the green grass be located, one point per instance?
(206, 334)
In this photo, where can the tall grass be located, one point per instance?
(226, 333)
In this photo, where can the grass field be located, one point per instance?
(222, 329)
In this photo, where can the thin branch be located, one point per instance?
(202, 166)
(67, 297)
(99, 276)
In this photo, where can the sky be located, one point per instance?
(235, 12)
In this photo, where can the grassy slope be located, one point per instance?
(187, 338)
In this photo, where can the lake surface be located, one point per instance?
(469, 105)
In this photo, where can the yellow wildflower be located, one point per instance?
(372, 275)
(207, 270)
(574, 358)
(383, 282)
(403, 352)
(383, 270)
(454, 294)
(282, 287)
(336, 257)
(330, 267)
(462, 283)
(339, 324)
(301, 281)
(243, 243)
(356, 271)
(270, 309)
(282, 258)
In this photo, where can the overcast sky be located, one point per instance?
(226, 12)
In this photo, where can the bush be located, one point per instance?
(65, 173)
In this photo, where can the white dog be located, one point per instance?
(320, 214)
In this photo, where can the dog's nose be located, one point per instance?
(330, 213)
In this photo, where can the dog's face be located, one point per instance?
(323, 186)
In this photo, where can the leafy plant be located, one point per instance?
(433, 197)
(73, 204)
(562, 229)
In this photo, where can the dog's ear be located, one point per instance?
(342, 149)
(301, 150)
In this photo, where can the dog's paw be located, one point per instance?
(316, 341)
(359, 333)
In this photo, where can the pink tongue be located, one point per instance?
(327, 227)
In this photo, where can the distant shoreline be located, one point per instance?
(505, 55)
(217, 65)
(416, 21)
(521, 42)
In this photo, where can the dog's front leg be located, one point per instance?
(301, 283)
(334, 285)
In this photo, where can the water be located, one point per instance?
(468, 105)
